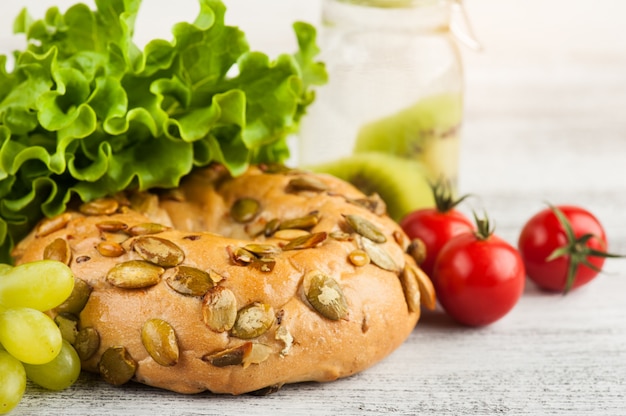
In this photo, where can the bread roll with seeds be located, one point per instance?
(234, 285)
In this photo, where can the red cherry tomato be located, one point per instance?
(558, 259)
(435, 226)
(478, 277)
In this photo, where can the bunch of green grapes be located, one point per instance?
(31, 345)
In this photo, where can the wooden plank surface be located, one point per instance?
(546, 104)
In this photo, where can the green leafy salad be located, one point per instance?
(84, 112)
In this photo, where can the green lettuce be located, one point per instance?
(85, 113)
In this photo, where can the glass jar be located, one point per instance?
(395, 87)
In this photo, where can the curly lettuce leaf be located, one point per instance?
(85, 113)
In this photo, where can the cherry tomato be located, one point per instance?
(478, 277)
(563, 247)
(435, 226)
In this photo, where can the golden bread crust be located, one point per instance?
(300, 343)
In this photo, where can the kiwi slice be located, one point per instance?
(401, 183)
(426, 131)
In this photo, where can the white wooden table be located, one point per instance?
(546, 121)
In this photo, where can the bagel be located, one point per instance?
(234, 284)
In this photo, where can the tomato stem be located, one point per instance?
(484, 228)
(444, 196)
(576, 250)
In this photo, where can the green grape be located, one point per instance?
(29, 335)
(58, 374)
(40, 285)
(12, 382)
(5, 268)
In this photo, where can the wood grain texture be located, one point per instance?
(546, 121)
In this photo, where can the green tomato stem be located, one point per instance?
(484, 228)
(576, 250)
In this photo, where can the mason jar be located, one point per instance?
(395, 88)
